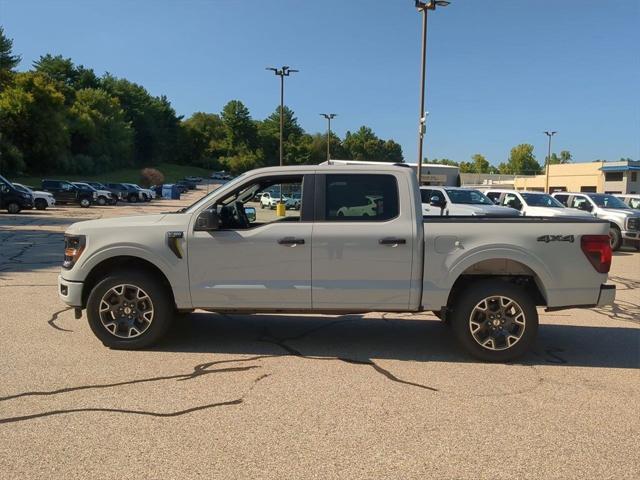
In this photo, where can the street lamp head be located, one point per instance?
(431, 4)
(550, 133)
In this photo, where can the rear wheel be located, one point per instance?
(13, 208)
(615, 237)
(129, 310)
(40, 204)
(494, 321)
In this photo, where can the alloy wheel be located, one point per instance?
(497, 323)
(126, 311)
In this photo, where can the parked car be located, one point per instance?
(67, 192)
(188, 184)
(537, 204)
(41, 200)
(271, 199)
(102, 198)
(484, 275)
(445, 201)
(193, 179)
(220, 176)
(147, 194)
(125, 192)
(13, 199)
(624, 221)
(632, 200)
(112, 199)
(366, 206)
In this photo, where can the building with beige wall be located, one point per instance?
(601, 177)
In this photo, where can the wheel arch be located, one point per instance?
(120, 263)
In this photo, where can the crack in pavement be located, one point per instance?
(54, 317)
(176, 413)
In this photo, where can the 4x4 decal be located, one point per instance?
(556, 238)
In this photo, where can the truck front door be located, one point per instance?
(256, 260)
(362, 258)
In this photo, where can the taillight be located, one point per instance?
(598, 250)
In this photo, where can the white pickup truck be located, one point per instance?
(484, 275)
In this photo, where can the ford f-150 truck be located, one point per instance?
(483, 275)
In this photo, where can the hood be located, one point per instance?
(556, 212)
(40, 192)
(616, 212)
(488, 210)
(116, 222)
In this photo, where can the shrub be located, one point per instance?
(151, 176)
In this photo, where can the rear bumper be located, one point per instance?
(607, 295)
(70, 292)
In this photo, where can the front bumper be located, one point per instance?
(630, 235)
(70, 292)
(607, 295)
(51, 201)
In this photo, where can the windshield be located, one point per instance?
(22, 188)
(541, 200)
(468, 197)
(228, 185)
(5, 181)
(608, 201)
(83, 186)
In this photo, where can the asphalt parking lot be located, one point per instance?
(304, 396)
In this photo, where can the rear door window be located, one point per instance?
(512, 200)
(356, 197)
(494, 196)
(563, 199)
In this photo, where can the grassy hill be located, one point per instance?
(171, 173)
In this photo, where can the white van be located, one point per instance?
(443, 201)
(535, 204)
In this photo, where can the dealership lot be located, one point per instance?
(304, 396)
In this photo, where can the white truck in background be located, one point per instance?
(485, 275)
(461, 202)
(531, 203)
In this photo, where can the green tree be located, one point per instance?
(364, 145)
(565, 157)
(8, 61)
(205, 141)
(269, 138)
(33, 123)
(521, 161)
(240, 129)
(442, 161)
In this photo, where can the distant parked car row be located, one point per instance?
(15, 197)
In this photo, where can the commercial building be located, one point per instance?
(601, 177)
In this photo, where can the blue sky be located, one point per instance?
(498, 73)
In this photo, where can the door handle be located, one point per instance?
(292, 241)
(394, 242)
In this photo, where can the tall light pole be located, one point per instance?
(546, 176)
(424, 7)
(282, 72)
(329, 117)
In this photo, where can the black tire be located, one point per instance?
(163, 310)
(40, 204)
(464, 306)
(102, 200)
(13, 208)
(615, 238)
(262, 206)
(85, 202)
(133, 198)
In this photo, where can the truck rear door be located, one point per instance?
(362, 256)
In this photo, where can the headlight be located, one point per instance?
(633, 223)
(95, 195)
(73, 248)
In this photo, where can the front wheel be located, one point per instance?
(85, 203)
(13, 208)
(129, 310)
(40, 204)
(102, 201)
(494, 321)
(615, 238)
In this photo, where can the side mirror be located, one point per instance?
(251, 213)
(585, 206)
(207, 221)
(436, 201)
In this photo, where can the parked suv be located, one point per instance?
(460, 201)
(271, 199)
(537, 204)
(125, 192)
(12, 199)
(632, 200)
(41, 200)
(147, 194)
(102, 197)
(112, 197)
(67, 192)
(624, 221)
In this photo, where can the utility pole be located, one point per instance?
(329, 117)
(282, 72)
(424, 7)
(546, 176)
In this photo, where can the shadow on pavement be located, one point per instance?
(351, 337)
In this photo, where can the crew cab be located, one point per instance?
(484, 275)
(460, 201)
(102, 196)
(623, 220)
(531, 203)
(67, 192)
(12, 199)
